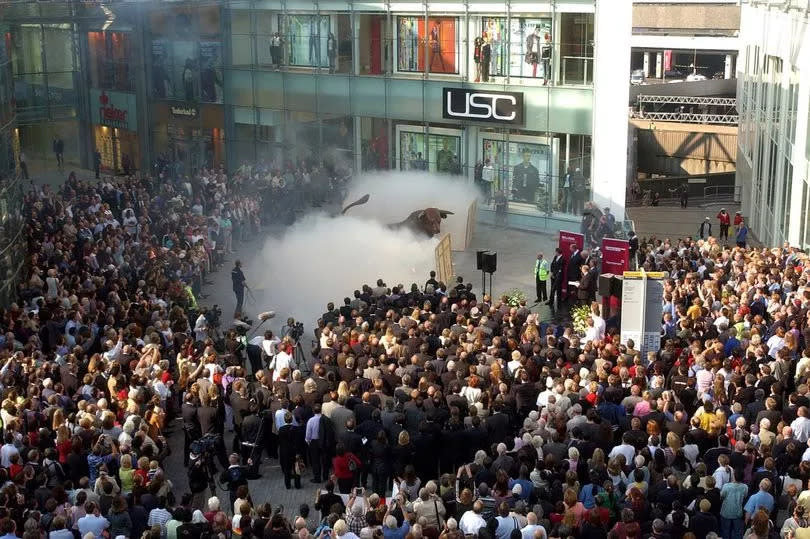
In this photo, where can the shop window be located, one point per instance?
(374, 154)
(210, 72)
(337, 145)
(187, 70)
(308, 40)
(576, 48)
(434, 48)
(434, 152)
(524, 49)
(110, 60)
(374, 44)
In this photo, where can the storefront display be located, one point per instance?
(439, 40)
(115, 129)
(110, 60)
(309, 40)
(211, 71)
(436, 152)
(522, 50)
(521, 168)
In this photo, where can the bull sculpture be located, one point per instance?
(426, 221)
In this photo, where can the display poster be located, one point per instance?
(162, 87)
(440, 154)
(211, 71)
(566, 240)
(528, 35)
(306, 39)
(642, 294)
(615, 256)
(667, 60)
(185, 70)
(441, 40)
(521, 168)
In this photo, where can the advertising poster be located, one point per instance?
(441, 153)
(306, 39)
(440, 37)
(521, 35)
(186, 70)
(566, 240)
(667, 60)
(161, 81)
(522, 168)
(615, 256)
(211, 71)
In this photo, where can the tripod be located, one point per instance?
(299, 359)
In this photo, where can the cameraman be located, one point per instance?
(290, 329)
(199, 477)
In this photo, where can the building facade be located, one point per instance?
(773, 96)
(501, 94)
(673, 39)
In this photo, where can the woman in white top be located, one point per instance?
(53, 284)
(471, 391)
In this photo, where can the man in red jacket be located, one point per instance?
(725, 221)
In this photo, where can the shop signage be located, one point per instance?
(185, 111)
(113, 109)
(482, 106)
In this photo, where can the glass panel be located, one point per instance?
(333, 94)
(441, 39)
(58, 49)
(185, 72)
(522, 50)
(269, 90)
(162, 82)
(240, 21)
(210, 72)
(27, 50)
(374, 153)
(241, 87)
(373, 46)
(241, 50)
(576, 48)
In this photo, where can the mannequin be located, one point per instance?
(478, 43)
(545, 57)
(435, 47)
(331, 51)
(533, 50)
(486, 58)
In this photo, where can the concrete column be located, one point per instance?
(729, 67)
(613, 28)
(646, 64)
(659, 65)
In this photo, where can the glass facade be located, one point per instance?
(364, 90)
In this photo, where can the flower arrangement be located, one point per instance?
(580, 316)
(514, 297)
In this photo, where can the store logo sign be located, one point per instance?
(111, 115)
(480, 106)
(185, 112)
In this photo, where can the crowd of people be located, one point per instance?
(424, 411)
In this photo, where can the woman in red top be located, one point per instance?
(345, 464)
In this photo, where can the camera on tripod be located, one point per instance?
(206, 447)
(296, 331)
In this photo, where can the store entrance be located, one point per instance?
(119, 149)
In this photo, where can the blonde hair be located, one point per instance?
(126, 461)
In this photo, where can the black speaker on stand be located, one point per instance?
(489, 264)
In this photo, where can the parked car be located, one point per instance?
(637, 77)
(695, 76)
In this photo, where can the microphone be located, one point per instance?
(267, 315)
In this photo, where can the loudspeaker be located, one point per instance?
(616, 286)
(479, 263)
(489, 262)
(604, 284)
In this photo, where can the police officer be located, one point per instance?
(541, 273)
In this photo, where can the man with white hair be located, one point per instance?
(533, 530)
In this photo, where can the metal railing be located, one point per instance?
(723, 192)
(583, 71)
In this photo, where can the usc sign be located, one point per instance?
(480, 106)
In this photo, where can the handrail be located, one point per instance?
(717, 191)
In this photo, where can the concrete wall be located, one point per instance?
(717, 18)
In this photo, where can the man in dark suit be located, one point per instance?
(498, 425)
(557, 278)
(288, 439)
(191, 426)
(573, 270)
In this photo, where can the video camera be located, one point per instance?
(296, 331)
(207, 446)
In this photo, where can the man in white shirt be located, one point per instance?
(472, 521)
(625, 448)
(533, 530)
(92, 522)
(801, 425)
(8, 450)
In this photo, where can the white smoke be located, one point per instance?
(324, 258)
